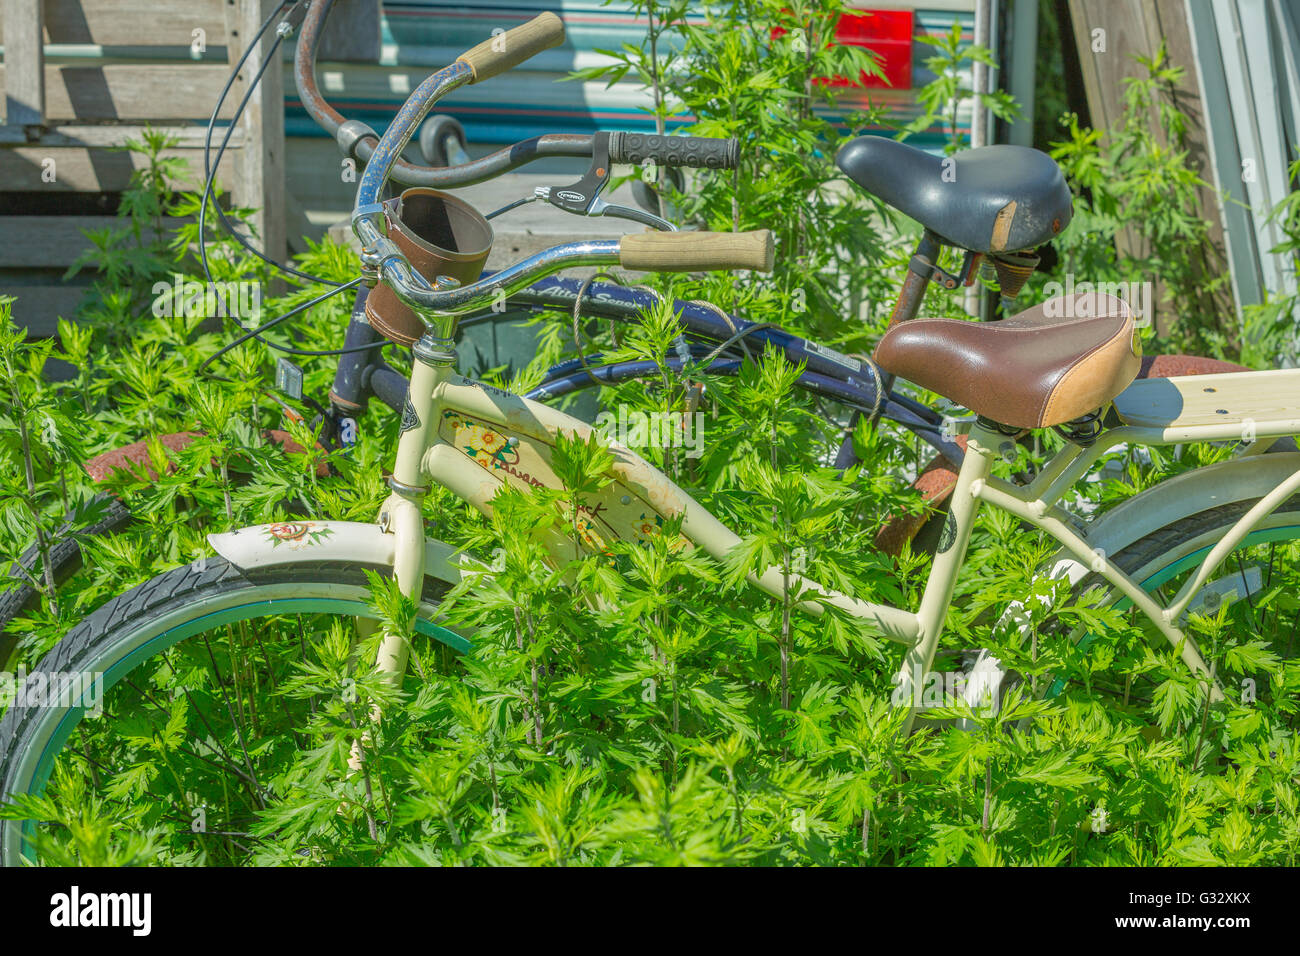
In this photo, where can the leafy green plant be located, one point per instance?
(36, 432)
(628, 704)
(755, 69)
(940, 98)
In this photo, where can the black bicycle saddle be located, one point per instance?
(991, 199)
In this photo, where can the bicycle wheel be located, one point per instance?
(1257, 583)
(216, 633)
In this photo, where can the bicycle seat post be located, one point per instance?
(919, 270)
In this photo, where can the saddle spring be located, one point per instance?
(1082, 431)
(1013, 271)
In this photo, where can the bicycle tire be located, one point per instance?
(127, 631)
(65, 557)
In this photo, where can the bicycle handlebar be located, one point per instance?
(359, 142)
(697, 251)
(507, 50)
(437, 305)
(656, 251)
(697, 151)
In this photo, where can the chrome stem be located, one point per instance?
(439, 305)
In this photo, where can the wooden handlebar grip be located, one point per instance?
(507, 50)
(697, 251)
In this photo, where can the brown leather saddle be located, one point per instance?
(1047, 366)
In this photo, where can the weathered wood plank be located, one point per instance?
(132, 22)
(1136, 28)
(32, 242)
(261, 169)
(38, 308)
(170, 91)
(1108, 34)
(24, 63)
(352, 33)
(71, 169)
(43, 242)
(115, 134)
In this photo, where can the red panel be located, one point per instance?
(888, 34)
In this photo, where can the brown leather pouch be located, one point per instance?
(440, 235)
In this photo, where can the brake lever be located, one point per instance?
(598, 207)
(601, 208)
(583, 197)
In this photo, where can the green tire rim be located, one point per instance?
(1153, 581)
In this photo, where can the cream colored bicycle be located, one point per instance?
(1068, 364)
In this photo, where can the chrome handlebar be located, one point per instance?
(439, 304)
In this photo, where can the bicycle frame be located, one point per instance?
(827, 372)
(473, 439)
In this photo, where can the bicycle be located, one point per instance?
(710, 335)
(713, 340)
(1037, 370)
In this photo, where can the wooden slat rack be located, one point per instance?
(80, 78)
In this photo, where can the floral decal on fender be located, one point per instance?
(650, 525)
(647, 526)
(296, 534)
(589, 533)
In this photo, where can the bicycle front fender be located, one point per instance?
(265, 545)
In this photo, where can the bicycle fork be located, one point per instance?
(401, 514)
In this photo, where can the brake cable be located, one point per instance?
(302, 307)
(284, 29)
